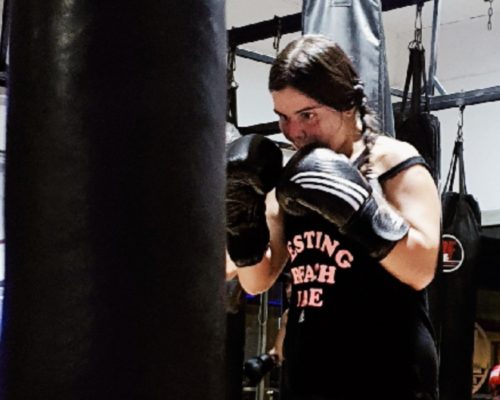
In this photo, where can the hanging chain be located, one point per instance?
(490, 14)
(277, 38)
(232, 86)
(417, 40)
(231, 67)
(460, 132)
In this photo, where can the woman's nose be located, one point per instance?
(293, 131)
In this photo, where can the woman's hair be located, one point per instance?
(319, 68)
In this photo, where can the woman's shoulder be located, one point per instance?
(388, 152)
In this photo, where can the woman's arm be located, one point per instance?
(414, 195)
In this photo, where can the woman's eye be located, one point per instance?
(307, 116)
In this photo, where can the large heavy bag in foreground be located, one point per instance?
(453, 292)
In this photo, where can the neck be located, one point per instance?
(357, 147)
(353, 144)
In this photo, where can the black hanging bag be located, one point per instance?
(453, 292)
(416, 125)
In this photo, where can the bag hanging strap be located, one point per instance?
(450, 177)
(415, 74)
(461, 170)
(419, 82)
(457, 158)
(424, 79)
(416, 91)
(409, 74)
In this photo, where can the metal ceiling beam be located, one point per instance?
(264, 30)
(468, 98)
(388, 5)
(252, 55)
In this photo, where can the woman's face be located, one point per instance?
(304, 120)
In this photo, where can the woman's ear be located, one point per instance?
(350, 113)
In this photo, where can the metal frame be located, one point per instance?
(264, 30)
(252, 55)
(471, 97)
(433, 83)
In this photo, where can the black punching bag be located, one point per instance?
(115, 201)
(453, 292)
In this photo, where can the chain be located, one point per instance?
(232, 86)
(417, 40)
(277, 38)
(231, 67)
(460, 123)
(490, 14)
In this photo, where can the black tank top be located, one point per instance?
(347, 312)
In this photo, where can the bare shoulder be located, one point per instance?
(388, 152)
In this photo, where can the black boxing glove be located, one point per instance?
(318, 179)
(257, 367)
(254, 165)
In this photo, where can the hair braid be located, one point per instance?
(360, 101)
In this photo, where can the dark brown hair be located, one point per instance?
(319, 68)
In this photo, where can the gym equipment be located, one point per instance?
(255, 368)
(453, 292)
(481, 358)
(416, 125)
(115, 201)
(494, 380)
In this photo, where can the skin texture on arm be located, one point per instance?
(260, 277)
(413, 193)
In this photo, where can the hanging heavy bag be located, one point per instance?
(416, 125)
(453, 292)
